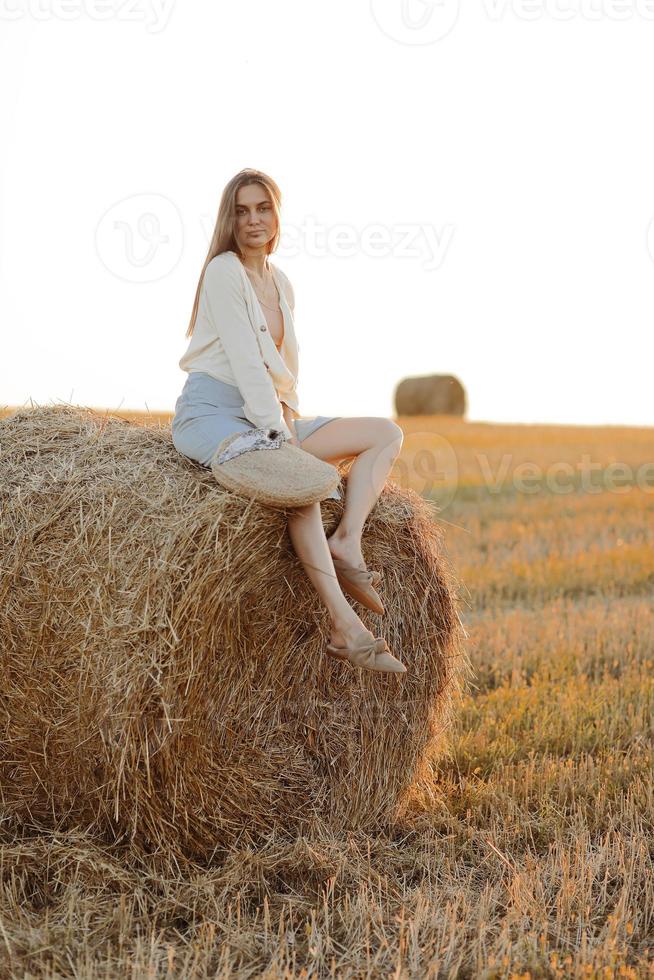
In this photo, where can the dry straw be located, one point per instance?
(163, 675)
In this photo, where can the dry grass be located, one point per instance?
(163, 671)
(527, 849)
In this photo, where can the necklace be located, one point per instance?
(274, 309)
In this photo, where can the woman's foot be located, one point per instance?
(358, 646)
(348, 552)
(347, 549)
(348, 634)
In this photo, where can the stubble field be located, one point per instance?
(530, 852)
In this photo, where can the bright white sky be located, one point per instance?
(466, 190)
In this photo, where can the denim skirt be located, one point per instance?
(208, 410)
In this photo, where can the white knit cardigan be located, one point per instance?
(231, 341)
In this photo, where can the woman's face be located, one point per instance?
(256, 223)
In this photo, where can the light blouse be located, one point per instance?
(231, 341)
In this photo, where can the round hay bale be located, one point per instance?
(163, 680)
(433, 394)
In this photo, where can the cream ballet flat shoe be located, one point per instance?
(369, 655)
(359, 583)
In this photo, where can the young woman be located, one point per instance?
(242, 364)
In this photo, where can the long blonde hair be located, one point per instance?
(223, 238)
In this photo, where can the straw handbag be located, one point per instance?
(263, 465)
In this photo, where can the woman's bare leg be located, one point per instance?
(375, 442)
(307, 535)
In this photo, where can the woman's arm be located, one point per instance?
(289, 413)
(289, 417)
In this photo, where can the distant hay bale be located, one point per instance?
(433, 394)
(163, 678)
